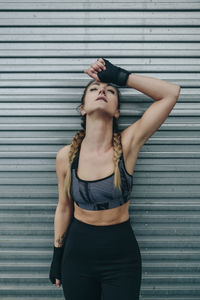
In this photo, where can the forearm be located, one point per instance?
(152, 87)
(62, 220)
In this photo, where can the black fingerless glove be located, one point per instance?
(113, 74)
(55, 269)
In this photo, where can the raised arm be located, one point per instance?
(165, 95)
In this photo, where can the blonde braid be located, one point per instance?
(117, 149)
(76, 141)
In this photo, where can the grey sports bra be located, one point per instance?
(101, 193)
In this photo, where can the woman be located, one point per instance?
(95, 249)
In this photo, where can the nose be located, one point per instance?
(103, 89)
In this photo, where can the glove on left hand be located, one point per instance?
(113, 74)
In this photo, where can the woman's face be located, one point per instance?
(109, 101)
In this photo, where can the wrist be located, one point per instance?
(114, 74)
(122, 77)
(58, 252)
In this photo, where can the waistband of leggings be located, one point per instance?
(120, 225)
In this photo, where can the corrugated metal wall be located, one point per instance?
(44, 48)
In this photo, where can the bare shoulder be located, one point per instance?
(62, 159)
(61, 171)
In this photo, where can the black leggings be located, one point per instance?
(101, 262)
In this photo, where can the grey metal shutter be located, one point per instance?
(44, 48)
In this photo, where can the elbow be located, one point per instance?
(177, 92)
(65, 208)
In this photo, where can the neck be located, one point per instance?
(98, 134)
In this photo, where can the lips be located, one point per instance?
(101, 98)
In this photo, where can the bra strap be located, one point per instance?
(76, 159)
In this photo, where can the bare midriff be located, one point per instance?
(102, 217)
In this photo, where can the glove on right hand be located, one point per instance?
(55, 269)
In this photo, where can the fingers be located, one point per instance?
(92, 73)
(96, 67)
(99, 65)
(57, 283)
(101, 60)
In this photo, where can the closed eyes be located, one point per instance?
(108, 90)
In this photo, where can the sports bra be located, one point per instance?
(101, 193)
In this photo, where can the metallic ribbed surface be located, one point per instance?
(44, 48)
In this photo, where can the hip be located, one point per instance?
(115, 242)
